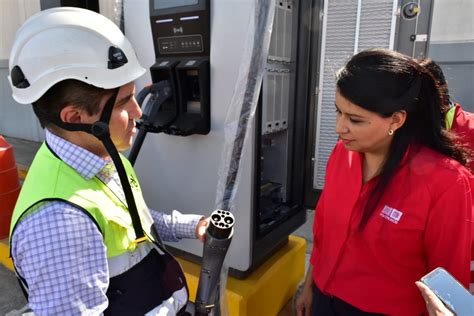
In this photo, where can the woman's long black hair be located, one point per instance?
(385, 81)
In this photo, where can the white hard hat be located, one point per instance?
(69, 43)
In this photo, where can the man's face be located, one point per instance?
(122, 120)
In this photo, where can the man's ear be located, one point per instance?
(71, 114)
(398, 119)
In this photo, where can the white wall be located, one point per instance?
(15, 120)
(453, 21)
(452, 47)
(14, 12)
(12, 15)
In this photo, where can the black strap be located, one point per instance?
(23, 284)
(132, 207)
(100, 129)
(108, 107)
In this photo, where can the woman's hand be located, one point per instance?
(201, 228)
(305, 301)
(434, 306)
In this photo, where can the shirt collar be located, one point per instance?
(80, 159)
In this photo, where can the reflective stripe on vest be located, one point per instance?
(172, 305)
(122, 263)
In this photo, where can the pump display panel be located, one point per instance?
(180, 28)
(181, 44)
(165, 4)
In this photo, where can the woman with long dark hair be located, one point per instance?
(397, 200)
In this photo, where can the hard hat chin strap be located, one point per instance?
(100, 129)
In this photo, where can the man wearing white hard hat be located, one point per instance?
(82, 239)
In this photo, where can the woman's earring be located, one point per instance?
(390, 132)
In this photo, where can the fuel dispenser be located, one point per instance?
(186, 43)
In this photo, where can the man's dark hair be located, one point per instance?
(68, 92)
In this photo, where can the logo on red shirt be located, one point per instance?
(391, 214)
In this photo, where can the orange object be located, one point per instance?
(9, 186)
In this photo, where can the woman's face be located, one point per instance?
(360, 129)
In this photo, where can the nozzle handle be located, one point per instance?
(217, 242)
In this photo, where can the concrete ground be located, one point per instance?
(11, 297)
(24, 150)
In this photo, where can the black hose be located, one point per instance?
(137, 145)
(262, 14)
(261, 17)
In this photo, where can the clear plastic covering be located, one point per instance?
(244, 101)
(240, 112)
(113, 10)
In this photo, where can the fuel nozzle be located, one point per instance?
(217, 242)
(153, 120)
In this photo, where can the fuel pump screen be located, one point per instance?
(165, 4)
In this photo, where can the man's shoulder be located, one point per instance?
(52, 212)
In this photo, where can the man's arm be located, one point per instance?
(60, 253)
(175, 226)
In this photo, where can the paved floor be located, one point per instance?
(11, 297)
(24, 150)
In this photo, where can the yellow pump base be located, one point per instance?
(267, 289)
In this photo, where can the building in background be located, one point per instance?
(452, 46)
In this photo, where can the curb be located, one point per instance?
(22, 171)
(5, 259)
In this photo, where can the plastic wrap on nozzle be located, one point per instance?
(218, 238)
